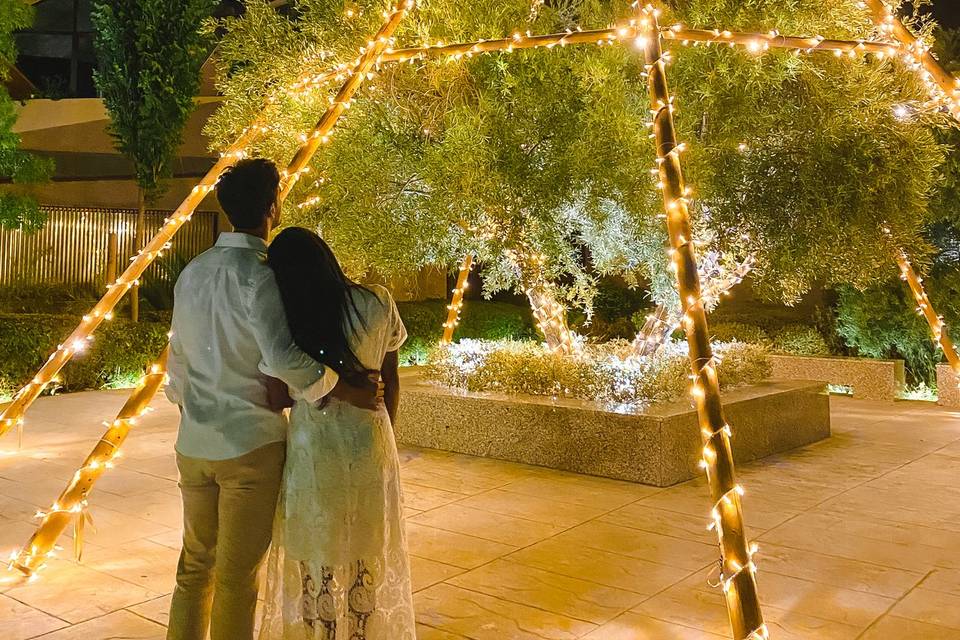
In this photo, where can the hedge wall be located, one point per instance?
(121, 350)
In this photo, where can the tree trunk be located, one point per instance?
(549, 314)
(137, 246)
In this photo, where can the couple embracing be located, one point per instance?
(256, 330)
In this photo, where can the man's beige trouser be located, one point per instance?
(228, 510)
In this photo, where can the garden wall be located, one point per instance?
(948, 393)
(869, 379)
(659, 446)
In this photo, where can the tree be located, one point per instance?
(16, 211)
(539, 161)
(149, 54)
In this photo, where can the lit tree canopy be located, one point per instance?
(545, 154)
(16, 211)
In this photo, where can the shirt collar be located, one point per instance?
(241, 241)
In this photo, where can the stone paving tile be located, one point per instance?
(838, 572)
(528, 507)
(426, 573)
(666, 550)
(571, 597)
(157, 610)
(633, 626)
(76, 593)
(484, 617)
(892, 627)
(117, 625)
(484, 524)
(449, 547)
(19, 622)
(602, 567)
(860, 537)
(934, 607)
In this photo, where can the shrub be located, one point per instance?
(881, 322)
(739, 332)
(479, 319)
(120, 351)
(603, 372)
(800, 340)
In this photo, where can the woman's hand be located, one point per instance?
(369, 395)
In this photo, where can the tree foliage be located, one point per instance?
(16, 211)
(800, 160)
(149, 54)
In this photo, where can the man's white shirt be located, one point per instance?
(229, 327)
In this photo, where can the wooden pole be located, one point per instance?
(938, 327)
(736, 565)
(320, 135)
(938, 79)
(72, 501)
(456, 302)
(756, 42)
(137, 244)
(113, 249)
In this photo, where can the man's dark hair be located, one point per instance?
(247, 190)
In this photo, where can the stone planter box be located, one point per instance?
(870, 379)
(659, 446)
(948, 394)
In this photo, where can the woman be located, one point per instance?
(339, 568)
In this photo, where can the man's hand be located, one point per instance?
(367, 396)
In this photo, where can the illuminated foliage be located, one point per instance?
(796, 159)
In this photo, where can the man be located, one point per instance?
(228, 325)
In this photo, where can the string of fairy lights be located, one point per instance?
(737, 567)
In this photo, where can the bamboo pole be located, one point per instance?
(938, 79)
(320, 135)
(736, 565)
(113, 251)
(938, 327)
(756, 42)
(456, 302)
(72, 501)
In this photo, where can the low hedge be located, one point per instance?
(119, 353)
(479, 319)
(121, 350)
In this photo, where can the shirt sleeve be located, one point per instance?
(280, 357)
(396, 332)
(175, 374)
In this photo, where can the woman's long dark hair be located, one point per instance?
(317, 297)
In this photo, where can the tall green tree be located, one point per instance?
(149, 56)
(16, 211)
(539, 160)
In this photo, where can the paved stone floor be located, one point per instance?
(859, 535)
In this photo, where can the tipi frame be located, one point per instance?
(738, 571)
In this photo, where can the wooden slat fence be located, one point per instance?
(72, 246)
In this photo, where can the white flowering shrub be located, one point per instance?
(605, 372)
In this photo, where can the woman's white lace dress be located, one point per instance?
(338, 569)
